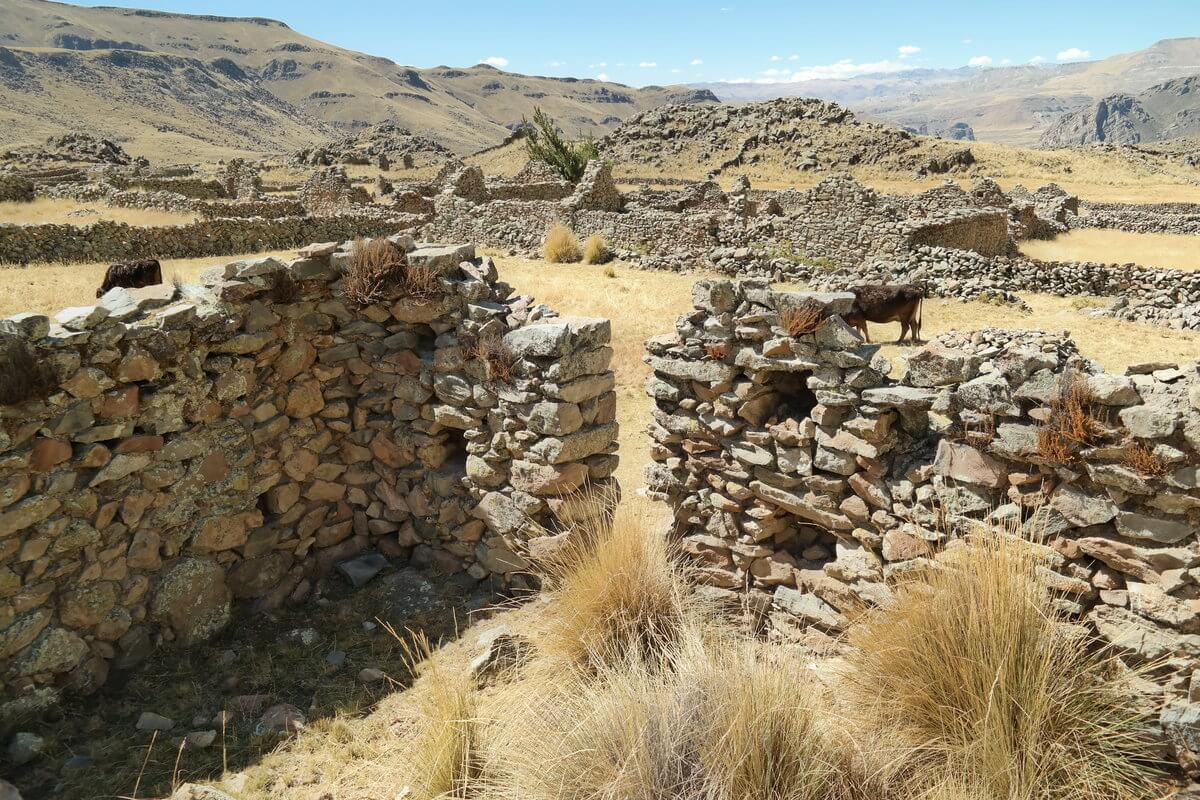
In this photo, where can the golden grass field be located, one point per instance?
(1176, 251)
(45, 210)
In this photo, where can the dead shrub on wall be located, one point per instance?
(717, 351)
(374, 267)
(1141, 458)
(497, 358)
(1073, 422)
(803, 318)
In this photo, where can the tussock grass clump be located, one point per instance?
(974, 683)
(560, 246)
(373, 267)
(444, 756)
(22, 377)
(725, 720)
(618, 593)
(803, 318)
(596, 250)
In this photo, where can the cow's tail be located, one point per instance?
(921, 305)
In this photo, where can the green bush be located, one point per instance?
(545, 143)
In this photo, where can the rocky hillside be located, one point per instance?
(1164, 111)
(186, 87)
(788, 133)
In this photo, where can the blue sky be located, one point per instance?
(667, 42)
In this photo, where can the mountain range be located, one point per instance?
(1008, 104)
(191, 87)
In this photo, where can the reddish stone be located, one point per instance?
(119, 403)
(48, 453)
(140, 444)
(214, 467)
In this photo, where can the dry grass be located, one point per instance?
(1172, 251)
(1141, 458)
(802, 319)
(375, 267)
(618, 594)
(45, 210)
(973, 681)
(443, 755)
(560, 246)
(596, 250)
(22, 377)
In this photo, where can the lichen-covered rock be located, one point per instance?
(192, 599)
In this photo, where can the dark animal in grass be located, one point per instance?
(131, 275)
(887, 303)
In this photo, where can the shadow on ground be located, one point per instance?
(311, 657)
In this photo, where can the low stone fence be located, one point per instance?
(802, 478)
(233, 440)
(1140, 218)
(982, 232)
(114, 241)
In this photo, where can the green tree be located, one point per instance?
(545, 143)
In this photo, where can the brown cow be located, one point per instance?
(131, 275)
(887, 303)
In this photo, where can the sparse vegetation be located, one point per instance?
(596, 250)
(498, 359)
(971, 681)
(544, 142)
(802, 318)
(22, 377)
(560, 246)
(1073, 423)
(1141, 458)
(373, 266)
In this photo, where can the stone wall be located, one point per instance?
(114, 241)
(1141, 218)
(983, 232)
(801, 477)
(233, 440)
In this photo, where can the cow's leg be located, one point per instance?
(866, 332)
(903, 331)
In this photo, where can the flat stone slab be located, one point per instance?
(359, 571)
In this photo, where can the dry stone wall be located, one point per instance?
(802, 478)
(114, 241)
(1141, 218)
(231, 441)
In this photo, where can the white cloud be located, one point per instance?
(967, 41)
(601, 77)
(647, 64)
(906, 50)
(695, 62)
(1037, 60)
(598, 65)
(1006, 61)
(676, 70)
(980, 61)
(558, 63)
(794, 57)
(841, 69)
(496, 61)
(1073, 54)
(777, 58)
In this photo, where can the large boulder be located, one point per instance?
(192, 599)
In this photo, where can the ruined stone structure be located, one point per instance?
(231, 441)
(801, 477)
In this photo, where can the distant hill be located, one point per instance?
(189, 87)
(1011, 104)
(1164, 111)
